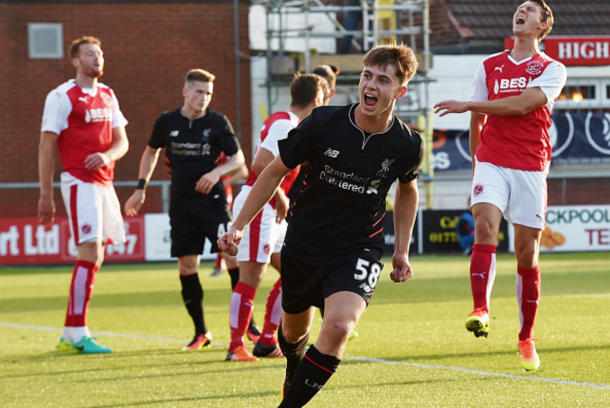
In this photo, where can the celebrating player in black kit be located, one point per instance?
(334, 241)
(194, 137)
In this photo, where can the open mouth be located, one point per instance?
(369, 99)
(520, 21)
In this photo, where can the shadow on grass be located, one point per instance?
(120, 361)
(457, 289)
(237, 398)
(426, 358)
(113, 300)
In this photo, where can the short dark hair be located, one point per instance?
(305, 88)
(399, 56)
(75, 45)
(199, 75)
(328, 72)
(546, 16)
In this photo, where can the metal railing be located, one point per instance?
(163, 184)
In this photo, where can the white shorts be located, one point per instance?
(520, 195)
(94, 211)
(263, 237)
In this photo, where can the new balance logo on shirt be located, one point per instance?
(331, 153)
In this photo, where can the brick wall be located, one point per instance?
(148, 49)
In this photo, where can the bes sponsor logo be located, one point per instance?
(97, 115)
(511, 85)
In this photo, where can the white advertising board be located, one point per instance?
(581, 228)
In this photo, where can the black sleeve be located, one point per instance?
(158, 138)
(418, 158)
(226, 137)
(299, 146)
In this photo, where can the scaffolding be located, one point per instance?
(382, 21)
(377, 22)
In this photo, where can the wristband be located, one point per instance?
(141, 184)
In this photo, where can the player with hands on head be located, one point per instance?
(512, 98)
(194, 137)
(334, 242)
(82, 117)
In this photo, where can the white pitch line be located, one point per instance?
(364, 359)
(481, 372)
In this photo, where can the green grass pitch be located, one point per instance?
(412, 349)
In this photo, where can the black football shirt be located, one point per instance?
(192, 148)
(342, 206)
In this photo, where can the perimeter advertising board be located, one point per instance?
(576, 229)
(576, 50)
(439, 232)
(25, 242)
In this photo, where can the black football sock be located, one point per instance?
(192, 294)
(311, 375)
(294, 352)
(234, 274)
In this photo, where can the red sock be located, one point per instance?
(482, 274)
(81, 290)
(273, 314)
(218, 263)
(528, 295)
(240, 313)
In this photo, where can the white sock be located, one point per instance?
(79, 332)
(66, 334)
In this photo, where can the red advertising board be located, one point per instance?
(24, 242)
(582, 50)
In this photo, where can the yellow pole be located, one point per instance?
(426, 131)
(430, 155)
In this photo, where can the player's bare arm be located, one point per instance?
(405, 211)
(477, 120)
(519, 105)
(147, 166)
(262, 159)
(210, 179)
(119, 148)
(262, 191)
(46, 166)
(239, 174)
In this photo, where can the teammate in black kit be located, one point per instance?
(194, 137)
(334, 241)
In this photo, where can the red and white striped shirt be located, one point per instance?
(274, 129)
(84, 120)
(517, 142)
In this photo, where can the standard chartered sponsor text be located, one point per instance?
(343, 180)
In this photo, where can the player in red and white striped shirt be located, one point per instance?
(83, 118)
(513, 95)
(262, 243)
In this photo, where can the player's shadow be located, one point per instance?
(223, 397)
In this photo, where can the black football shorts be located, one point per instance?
(189, 233)
(305, 285)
